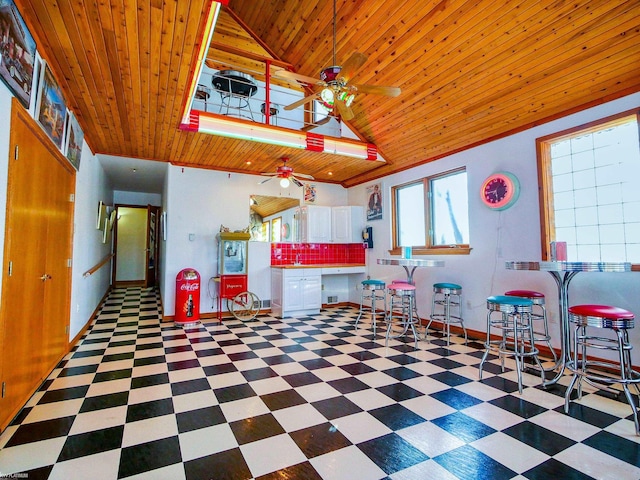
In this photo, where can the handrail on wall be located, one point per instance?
(98, 265)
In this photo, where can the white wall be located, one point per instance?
(88, 249)
(497, 237)
(198, 202)
(136, 198)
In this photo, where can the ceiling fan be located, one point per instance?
(285, 174)
(333, 90)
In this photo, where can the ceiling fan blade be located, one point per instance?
(265, 180)
(345, 112)
(287, 75)
(304, 175)
(351, 66)
(295, 180)
(378, 90)
(300, 102)
(268, 174)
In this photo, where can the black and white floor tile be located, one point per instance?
(300, 398)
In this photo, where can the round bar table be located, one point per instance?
(563, 273)
(233, 85)
(412, 263)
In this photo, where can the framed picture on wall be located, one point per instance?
(17, 52)
(102, 215)
(74, 141)
(51, 109)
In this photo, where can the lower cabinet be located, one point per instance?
(296, 291)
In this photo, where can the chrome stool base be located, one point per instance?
(539, 316)
(372, 291)
(402, 308)
(514, 321)
(446, 307)
(603, 317)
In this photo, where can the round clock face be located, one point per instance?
(500, 190)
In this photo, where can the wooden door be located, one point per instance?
(57, 267)
(34, 317)
(152, 246)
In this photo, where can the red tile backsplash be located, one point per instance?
(317, 253)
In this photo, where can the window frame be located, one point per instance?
(429, 248)
(543, 154)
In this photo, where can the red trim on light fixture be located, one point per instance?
(194, 122)
(372, 152)
(315, 142)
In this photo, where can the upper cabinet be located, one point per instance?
(320, 224)
(347, 224)
(314, 224)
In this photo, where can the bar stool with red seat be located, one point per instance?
(402, 310)
(619, 321)
(540, 316)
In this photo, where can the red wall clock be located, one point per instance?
(500, 190)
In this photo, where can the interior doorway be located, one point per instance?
(136, 246)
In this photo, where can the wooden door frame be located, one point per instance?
(149, 270)
(145, 281)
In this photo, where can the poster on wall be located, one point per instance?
(374, 204)
(74, 141)
(17, 52)
(52, 110)
(309, 193)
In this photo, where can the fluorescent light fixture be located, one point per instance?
(210, 22)
(249, 131)
(214, 124)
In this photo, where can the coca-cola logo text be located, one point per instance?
(189, 287)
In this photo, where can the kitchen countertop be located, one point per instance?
(321, 265)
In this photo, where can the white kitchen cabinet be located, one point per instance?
(343, 270)
(296, 291)
(347, 224)
(314, 223)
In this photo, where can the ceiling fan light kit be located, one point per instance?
(285, 173)
(327, 98)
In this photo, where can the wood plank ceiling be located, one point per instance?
(470, 71)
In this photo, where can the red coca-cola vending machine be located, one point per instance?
(187, 297)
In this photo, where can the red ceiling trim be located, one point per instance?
(372, 152)
(315, 142)
(194, 122)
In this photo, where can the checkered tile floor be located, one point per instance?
(300, 398)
